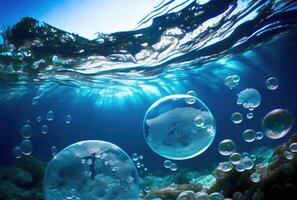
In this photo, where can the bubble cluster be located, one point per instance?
(249, 135)
(277, 123)
(26, 131)
(226, 147)
(111, 174)
(170, 129)
(232, 81)
(249, 98)
(272, 83)
(236, 118)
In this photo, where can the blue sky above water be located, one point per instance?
(84, 17)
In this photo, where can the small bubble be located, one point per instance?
(135, 157)
(272, 83)
(50, 116)
(38, 119)
(235, 158)
(199, 121)
(44, 129)
(255, 177)
(26, 147)
(35, 101)
(54, 150)
(259, 135)
(26, 131)
(68, 119)
(17, 152)
(167, 164)
(249, 115)
(173, 167)
(293, 147)
(227, 147)
(236, 118)
(289, 155)
(249, 135)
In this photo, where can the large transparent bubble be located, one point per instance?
(170, 128)
(277, 123)
(107, 173)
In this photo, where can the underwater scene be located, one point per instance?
(148, 99)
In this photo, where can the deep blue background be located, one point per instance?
(120, 122)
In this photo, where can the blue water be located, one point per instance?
(108, 84)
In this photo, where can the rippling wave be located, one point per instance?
(178, 36)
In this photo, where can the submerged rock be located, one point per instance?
(23, 181)
(172, 192)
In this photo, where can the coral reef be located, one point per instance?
(278, 180)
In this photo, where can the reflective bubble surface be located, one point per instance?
(170, 129)
(111, 174)
(277, 123)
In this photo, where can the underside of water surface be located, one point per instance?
(198, 101)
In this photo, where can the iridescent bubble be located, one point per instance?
(54, 150)
(259, 135)
(199, 121)
(249, 98)
(289, 155)
(113, 176)
(26, 147)
(17, 152)
(249, 135)
(167, 164)
(236, 118)
(26, 131)
(249, 115)
(255, 177)
(235, 158)
(277, 123)
(173, 167)
(44, 129)
(272, 83)
(226, 166)
(169, 129)
(227, 147)
(293, 147)
(68, 119)
(50, 116)
(216, 196)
